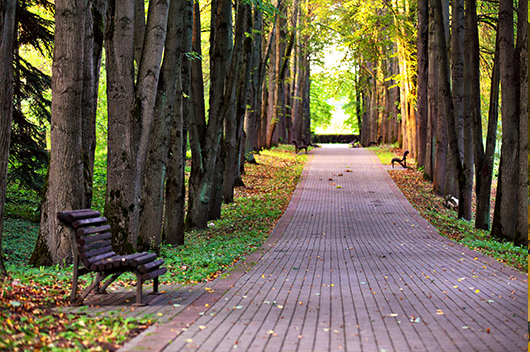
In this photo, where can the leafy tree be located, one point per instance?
(31, 102)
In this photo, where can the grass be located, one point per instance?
(419, 193)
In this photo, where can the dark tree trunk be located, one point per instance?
(131, 106)
(483, 159)
(432, 93)
(65, 189)
(505, 214)
(445, 91)
(521, 59)
(205, 168)
(252, 114)
(175, 184)
(243, 52)
(423, 80)
(7, 34)
(94, 32)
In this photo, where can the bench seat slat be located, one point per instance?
(72, 216)
(147, 257)
(94, 245)
(153, 274)
(89, 222)
(91, 230)
(95, 252)
(89, 262)
(126, 259)
(150, 266)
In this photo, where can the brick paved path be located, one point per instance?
(351, 267)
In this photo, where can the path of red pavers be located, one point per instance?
(350, 267)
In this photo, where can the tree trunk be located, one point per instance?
(167, 110)
(445, 91)
(7, 34)
(205, 155)
(432, 92)
(505, 214)
(175, 180)
(131, 108)
(521, 56)
(243, 52)
(423, 81)
(65, 187)
(251, 119)
(94, 32)
(463, 121)
(483, 159)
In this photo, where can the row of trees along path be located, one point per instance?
(246, 86)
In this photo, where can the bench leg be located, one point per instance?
(108, 282)
(138, 290)
(155, 284)
(74, 281)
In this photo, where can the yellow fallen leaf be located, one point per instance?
(202, 327)
(477, 291)
(439, 312)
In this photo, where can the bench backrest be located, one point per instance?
(90, 235)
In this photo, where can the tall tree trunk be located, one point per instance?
(243, 50)
(521, 56)
(7, 34)
(167, 110)
(175, 182)
(483, 159)
(251, 119)
(131, 107)
(432, 92)
(94, 32)
(205, 155)
(463, 121)
(445, 92)
(505, 214)
(65, 186)
(423, 81)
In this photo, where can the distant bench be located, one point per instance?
(91, 240)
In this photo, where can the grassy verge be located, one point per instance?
(27, 297)
(419, 193)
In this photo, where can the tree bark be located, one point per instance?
(175, 185)
(233, 135)
(205, 155)
(483, 159)
(505, 213)
(7, 34)
(166, 111)
(521, 55)
(432, 92)
(94, 32)
(252, 114)
(130, 114)
(423, 81)
(65, 189)
(463, 121)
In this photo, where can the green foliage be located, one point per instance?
(18, 240)
(321, 110)
(31, 93)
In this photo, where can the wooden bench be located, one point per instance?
(91, 242)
